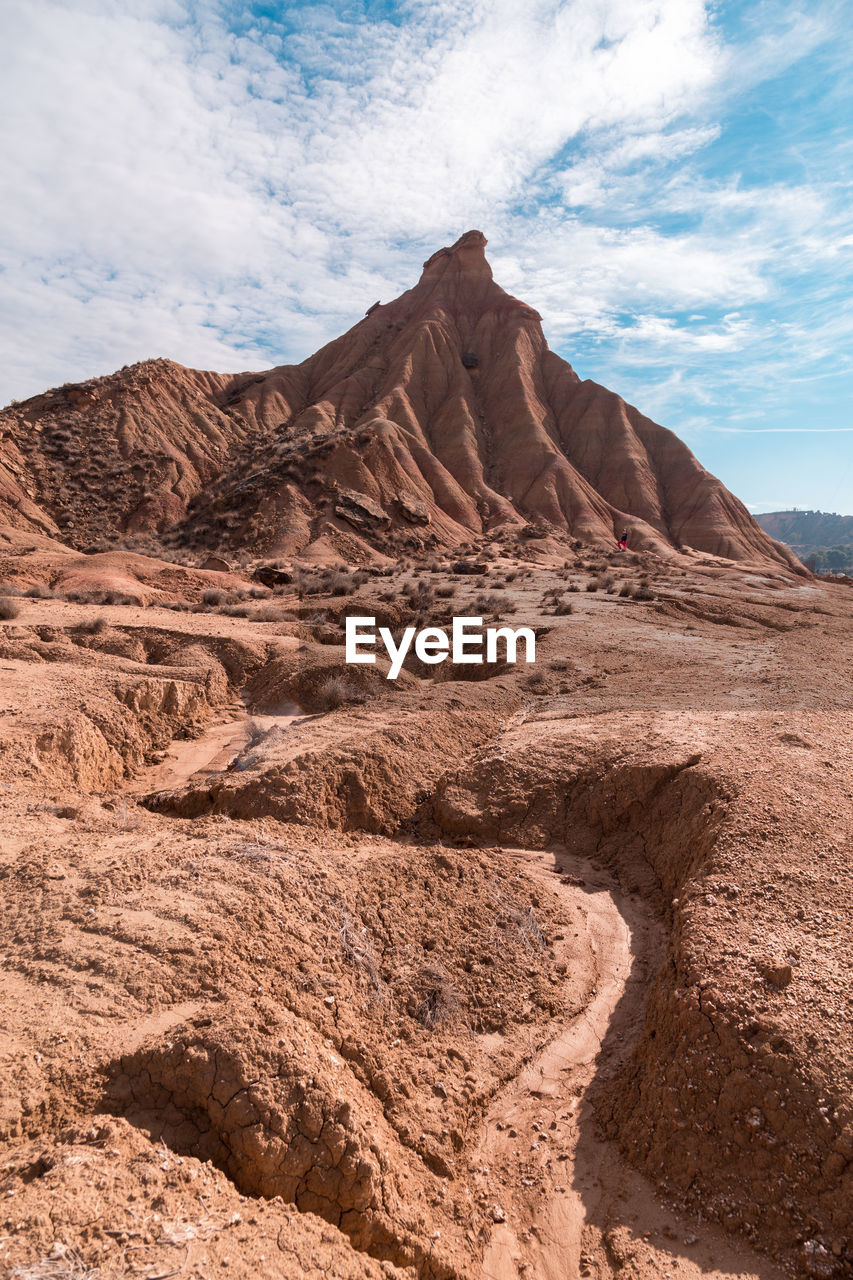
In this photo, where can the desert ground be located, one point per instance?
(307, 972)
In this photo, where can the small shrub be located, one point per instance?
(9, 609)
(340, 583)
(358, 952)
(529, 931)
(337, 691)
(490, 604)
(272, 613)
(439, 1000)
(94, 626)
(213, 597)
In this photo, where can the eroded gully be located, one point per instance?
(565, 1204)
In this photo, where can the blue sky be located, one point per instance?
(666, 181)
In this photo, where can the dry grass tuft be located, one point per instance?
(358, 952)
(439, 1001)
(66, 1265)
(337, 691)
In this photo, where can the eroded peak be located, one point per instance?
(470, 248)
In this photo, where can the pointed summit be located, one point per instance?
(462, 277)
(469, 251)
(439, 416)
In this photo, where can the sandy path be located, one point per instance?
(536, 1117)
(212, 751)
(564, 1203)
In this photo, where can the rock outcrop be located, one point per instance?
(444, 408)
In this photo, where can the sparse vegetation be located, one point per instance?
(359, 953)
(337, 691)
(491, 606)
(439, 999)
(94, 626)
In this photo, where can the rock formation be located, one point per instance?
(440, 417)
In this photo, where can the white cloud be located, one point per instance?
(664, 332)
(233, 198)
(181, 185)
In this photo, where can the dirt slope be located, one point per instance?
(543, 974)
(440, 416)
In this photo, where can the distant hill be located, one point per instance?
(822, 536)
(816, 528)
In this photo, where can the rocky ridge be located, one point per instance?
(440, 417)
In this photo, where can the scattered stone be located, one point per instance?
(473, 567)
(778, 974)
(413, 510)
(269, 576)
(360, 511)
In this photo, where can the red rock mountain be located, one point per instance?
(440, 416)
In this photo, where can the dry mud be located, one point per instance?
(546, 974)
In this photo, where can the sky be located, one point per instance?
(233, 184)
